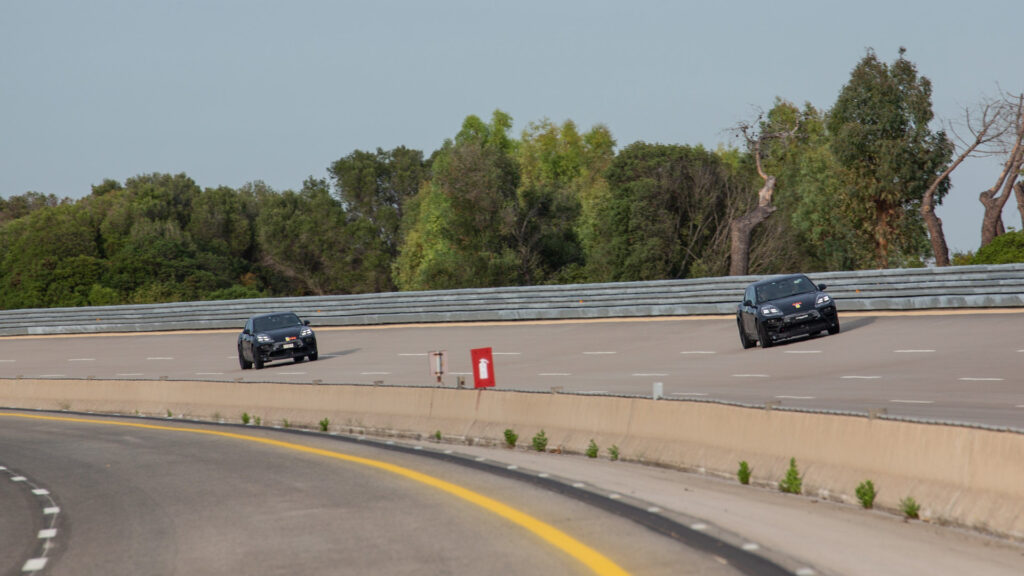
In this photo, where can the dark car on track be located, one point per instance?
(277, 336)
(784, 307)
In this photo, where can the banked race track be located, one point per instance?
(928, 403)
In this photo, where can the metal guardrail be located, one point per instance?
(999, 286)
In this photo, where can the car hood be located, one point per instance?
(282, 334)
(795, 304)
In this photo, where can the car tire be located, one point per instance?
(762, 336)
(314, 356)
(245, 364)
(257, 361)
(746, 342)
(834, 328)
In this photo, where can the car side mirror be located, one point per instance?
(305, 322)
(245, 331)
(748, 303)
(822, 286)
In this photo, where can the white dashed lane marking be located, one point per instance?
(913, 351)
(750, 376)
(795, 397)
(969, 379)
(912, 401)
(859, 377)
(698, 352)
(642, 374)
(48, 534)
(34, 565)
(81, 359)
(599, 353)
(159, 358)
(7, 361)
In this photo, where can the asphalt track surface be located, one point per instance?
(126, 496)
(959, 368)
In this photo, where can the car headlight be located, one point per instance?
(264, 339)
(769, 310)
(822, 299)
(307, 331)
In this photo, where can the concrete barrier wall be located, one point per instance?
(964, 476)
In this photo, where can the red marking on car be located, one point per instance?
(796, 305)
(290, 338)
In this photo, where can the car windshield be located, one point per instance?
(784, 288)
(275, 322)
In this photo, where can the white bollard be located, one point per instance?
(659, 391)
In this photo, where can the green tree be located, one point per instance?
(558, 167)
(665, 214)
(881, 139)
(458, 228)
(373, 189)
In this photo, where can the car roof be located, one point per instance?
(269, 314)
(777, 278)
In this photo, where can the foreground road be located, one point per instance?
(948, 367)
(155, 498)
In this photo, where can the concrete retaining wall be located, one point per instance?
(970, 477)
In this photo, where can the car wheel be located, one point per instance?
(762, 335)
(245, 364)
(298, 359)
(314, 356)
(834, 328)
(747, 342)
(257, 361)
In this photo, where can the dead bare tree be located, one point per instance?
(986, 128)
(994, 199)
(741, 228)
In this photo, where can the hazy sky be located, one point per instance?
(232, 92)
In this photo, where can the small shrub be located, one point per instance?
(324, 424)
(437, 435)
(744, 473)
(169, 413)
(285, 423)
(866, 494)
(246, 418)
(540, 442)
(511, 438)
(613, 452)
(792, 483)
(259, 421)
(592, 449)
(910, 507)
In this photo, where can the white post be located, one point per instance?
(659, 391)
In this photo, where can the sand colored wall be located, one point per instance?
(965, 476)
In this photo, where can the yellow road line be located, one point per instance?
(591, 558)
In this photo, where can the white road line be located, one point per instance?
(969, 379)
(51, 510)
(698, 352)
(81, 359)
(912, 401)
(750, 547)
(592, 392)
(859, 377)
(159, 358)
(372, 373)
(34, 565)
(41, 492)
(913, 351)
(554, 374)
(803, 352)
(6, 361)
(647, 374)
(699, 526)
(599, 353)
(750, 376)
(18, 479)
(47, 533)
(688, 394)
(795, 397)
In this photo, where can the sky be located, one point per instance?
(231, 92)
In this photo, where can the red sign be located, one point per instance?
(483, 367)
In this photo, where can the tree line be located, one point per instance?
(839, 189)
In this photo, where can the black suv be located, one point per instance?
(784, 307)
(277, 336)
